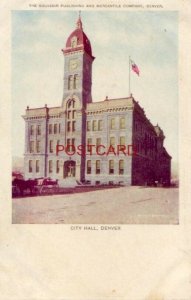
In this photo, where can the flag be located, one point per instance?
(135, 68)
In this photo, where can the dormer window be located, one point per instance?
(74, 42)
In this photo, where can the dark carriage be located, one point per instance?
(38, 186)
(21, 187)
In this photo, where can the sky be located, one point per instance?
(150, 38)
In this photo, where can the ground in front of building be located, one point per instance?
(123, 205)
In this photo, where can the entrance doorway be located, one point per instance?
(69, 169)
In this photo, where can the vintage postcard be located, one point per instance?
(97, 109)
(95, 129)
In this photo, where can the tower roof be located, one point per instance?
(78, 40)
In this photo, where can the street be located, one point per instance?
(122, 205)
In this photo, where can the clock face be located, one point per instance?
(73, 64)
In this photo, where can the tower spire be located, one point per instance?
(79, 22)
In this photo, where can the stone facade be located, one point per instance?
(120, 123)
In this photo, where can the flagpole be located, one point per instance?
(129, 77)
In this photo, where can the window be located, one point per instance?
(111, 167)
(88, 125)
(89, 169)
(122, 140)
(69, 114)
(74, 42)
(112, 141)
(94, 125)
(98, 141)
(57, 143)
(37, 166)
(73, 142)
(69, 104)
(50, 129)
(50, 166)
(73, 114)
(31, 147)
(89, 142)
(122, 123)
(70, 143)
(55, 128)
(112, 123)
(38, 146)
(97, 166)
(68, 126)
(32, 130)
(71, 125)
(100, 125)
(38, 130)
(121, 167)
(51, 146)
(30, 166)
(74, 126)
(76, 79)
(70, 82)
(57, 166)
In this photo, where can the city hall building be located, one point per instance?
(121, 145)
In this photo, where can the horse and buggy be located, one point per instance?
(37, 186)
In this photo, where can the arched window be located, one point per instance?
(71, 104)
(70, 82)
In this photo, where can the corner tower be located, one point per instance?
(78, 66)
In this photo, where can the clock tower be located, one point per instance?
(78, 67)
